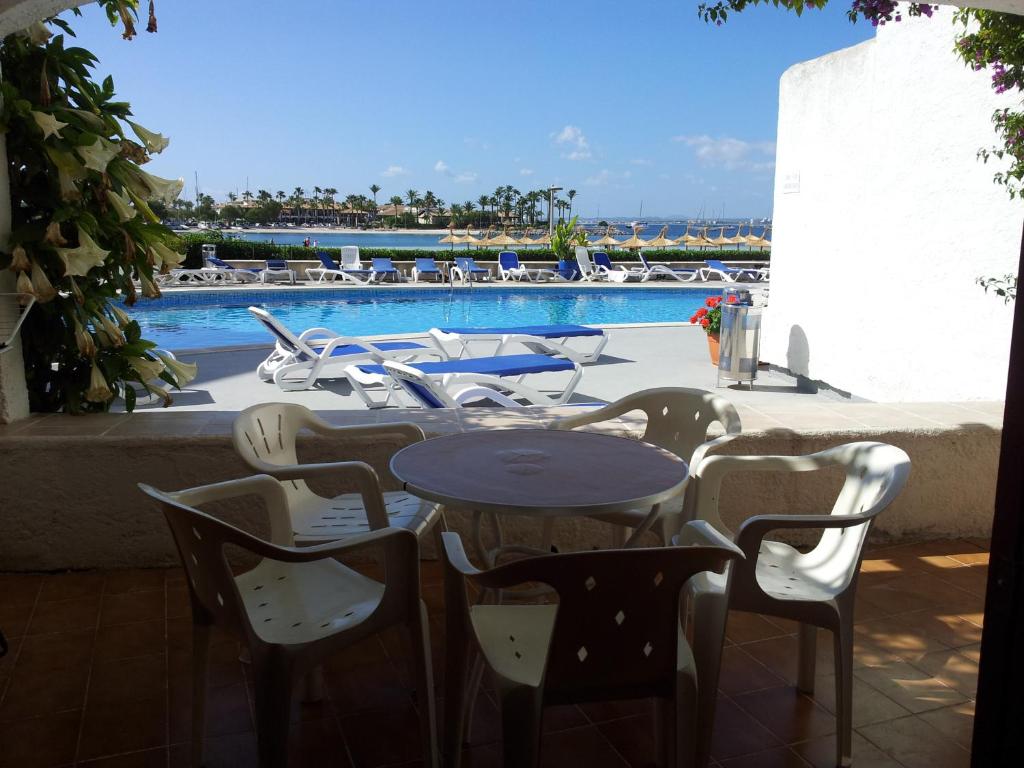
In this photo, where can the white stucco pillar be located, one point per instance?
(13, 392)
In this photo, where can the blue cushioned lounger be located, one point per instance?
(502, 365)
(539, 339)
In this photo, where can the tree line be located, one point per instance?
(506, 206)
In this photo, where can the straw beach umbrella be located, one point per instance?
(450, 239)
(688, 240)
(468, 238)
(701, 241)
(738, 238)
(607, 239)
(635, 242)
(761, 241)
(660, 240)
(721, 241)
(501, 241)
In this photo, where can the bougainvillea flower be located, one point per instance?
(78, 261)
(41, 285)
(98, 391)
(98, 155)
(48, 124)
(154, 142)
(122, 207)
(182, 373)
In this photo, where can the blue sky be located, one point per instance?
(624, 102)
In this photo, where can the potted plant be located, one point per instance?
(564, 240)
(709, 317)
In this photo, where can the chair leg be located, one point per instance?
(807, 639)
(710, 613)
(455, 696)
(423, 679)
(843, 653)
(273, 710)
(522, 709)
(200, 664)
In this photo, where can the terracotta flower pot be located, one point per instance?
(713, 347)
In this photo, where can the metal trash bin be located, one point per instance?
(209, 252)
(740, 341)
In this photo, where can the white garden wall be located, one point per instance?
(884, 217)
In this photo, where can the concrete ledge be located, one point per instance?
(69, 498)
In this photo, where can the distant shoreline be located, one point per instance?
(312, 231)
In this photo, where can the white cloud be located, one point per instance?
(640, 161)
(577, 146)
(604, 178)
(526, 171)
(466, 177)
(394, 170)
(729, 153)
(462, 177)
(441, 166)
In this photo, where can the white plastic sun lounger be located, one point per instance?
(617, 273)
(488, 377)
(298, 361)
(539, 339)
(681, 274)
(509, 268)
(587, 272)
(329, 271)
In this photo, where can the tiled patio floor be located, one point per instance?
(98, 676)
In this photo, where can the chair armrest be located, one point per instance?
(703, 449)
(310, 333)
(701, 533)
(456, 554)
(753, 530)
(390, 538)
(362, 474)
(262, 485)
(413, 433)
(595, 416)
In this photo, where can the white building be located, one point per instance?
(885, 217)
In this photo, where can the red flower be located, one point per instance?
(710, 301)
(701, 312)
(693, 319)
(704, 322)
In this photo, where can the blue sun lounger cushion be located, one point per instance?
(542, 331)
(503, 365)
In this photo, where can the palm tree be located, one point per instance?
(247, 196)
(298, 197)
(396, 201)
(374, 189)
(329, 193)
(570, 194)
(232, 197)
(457, 211)
(483, 201)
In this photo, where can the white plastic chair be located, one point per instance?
(294, 609)
(265, 438)
(587, 271)
(615, 633)
(678, 420)
(816, 588)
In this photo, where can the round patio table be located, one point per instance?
(542, 473)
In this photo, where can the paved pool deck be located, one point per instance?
(637, 357)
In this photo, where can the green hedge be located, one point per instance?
(240, 249)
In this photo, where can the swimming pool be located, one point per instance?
(201, 319)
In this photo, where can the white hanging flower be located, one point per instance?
(147, 186)
(121, 206)
(68, 169)
(48, 124)
(154, 142)
(122, 317)
(98, 154)
(159, 391)
(149, 290)
(83, 340)
(53, 235)
(98, 391)
(146, 368)
(19, 260)
(41, 285)
(182, 373)
(110, 328)
(37, 32)
(24, 284)
(78, 261)
(164, 257)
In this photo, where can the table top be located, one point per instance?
(539, 472)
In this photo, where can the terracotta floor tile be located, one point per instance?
(149, 758)
(821, 753)
(957, 723)
(898, 636)
(909, 687)
(316, 744)
(131, 607)
(370, 736)
(788, 714)
(562, 718)
(745, 627)
(178, 602)
(39, 691)
(129, 640)
(19, 589)
(72, 586)
(953, 669)
(916, 744)
(949, 629)
(582, 746)
(372, 686)
(135, 580)
(123, 726)
(486, 725)
(738, 733)
(741, 673)
(14, 619)
(58, 650)
(915, 591)
(972, 557)
(779, 757)
(973, 579)
(43, 742)
(869, 704)
(633, 738)
(227, 710)
(237, 750)
(65, 616)
(224, 665)
(126, 680)
(603, 711)
(972, 652)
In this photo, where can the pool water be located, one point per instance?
(198, 319)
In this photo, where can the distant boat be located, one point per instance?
(640, 221)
